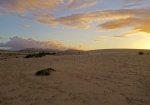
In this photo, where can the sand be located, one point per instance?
(100, 77)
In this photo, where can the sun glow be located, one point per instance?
(146, 41)
(147, 46)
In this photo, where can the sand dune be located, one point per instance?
(100, 77)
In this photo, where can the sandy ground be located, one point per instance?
(104, 77)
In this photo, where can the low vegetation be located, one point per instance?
(39, 55)
(141, 53)
(45, 72)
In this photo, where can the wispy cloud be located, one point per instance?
(120, 36)
(138, 24)
(121, 23)
(114, 19)
(106, 19)
(28, 5)
(101, 39)
(84, 20)
(42, 11)
(135, 1)
(78, 4)
(144, 26)
(44, 18)
(1, 12)
(97, 40)
(22, 6)
(18, 42)
(134, 5)
(25, 25)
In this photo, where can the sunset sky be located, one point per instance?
(74, 24)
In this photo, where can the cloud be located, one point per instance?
(121, 36)
(84, 20)
(1, 12)
(22, 6)
(44, 18)
(139, 21)
(114, 19)
(101, 39)
(78, 4)
(121, 23)
(42, 11)
(28, 5)
(105, 19)
(138, 24)
(135, 1)
(25, 25)
(131, 5)
(144, 26)
(97, 40)
(18, 43)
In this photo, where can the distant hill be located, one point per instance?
(118, 51)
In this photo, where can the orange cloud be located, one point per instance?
(28, 5)
(106, 19)
(121, 23)
(84, 20)
(42, 10)
(115, 19)
(144, 26)
(22, 6)
(44, 18)
(138, 24)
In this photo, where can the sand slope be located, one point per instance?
(104, 77)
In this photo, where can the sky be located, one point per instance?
(74, 24)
